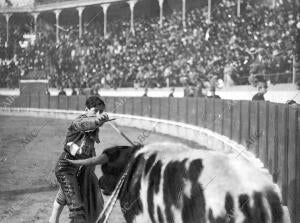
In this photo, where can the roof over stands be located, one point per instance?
(19, 6)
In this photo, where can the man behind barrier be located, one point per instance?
(262, 90)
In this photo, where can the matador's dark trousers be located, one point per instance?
(66, 174)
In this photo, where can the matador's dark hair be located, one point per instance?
(94, 101)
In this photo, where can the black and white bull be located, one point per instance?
(170, 183)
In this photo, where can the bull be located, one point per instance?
(170, 183)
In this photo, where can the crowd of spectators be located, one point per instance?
(231, 48)
(16, 3)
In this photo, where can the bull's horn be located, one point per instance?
(101, 159)
(121, 133)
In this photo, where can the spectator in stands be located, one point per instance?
(186, 90)
(74, 92)
(199, 88)
(192, 91)
(212, 93)
(95, 90)
(171, 95)
(262, 90)
(228, 74)
(47, 92)
(260, 41)
(291, 102)
(145, 92)
(62, 92)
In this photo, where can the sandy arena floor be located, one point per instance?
(29, 148)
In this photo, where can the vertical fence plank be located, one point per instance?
(271, 140)
(109, 104)
(146, 107)
(169, 108)
(173, 109)
(44, 101)
(297, 195)
(227, 118)
(201, 112)
(253, 144)
(137, 106)
(210, 114)
(132, 106)
(282, 151)
(25, 101)
(245, 122)
(191, 110)
(81, 102)
(34, 101)
(39, 98)
(164, 108)
(155, 107)
(63, 104)
(3, 100)
(292, 161)
(10, 102)
(118, 105)
(197, 111)
(129, 106)
(124, 102)
(68, 103)
(28, 104)
(73, 102)
(16, 102)
(218, 115)
(263, 134)
(53, 104)
(182, 109)
(236, 121)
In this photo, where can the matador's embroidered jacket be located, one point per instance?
(81, 136)
(79, 144)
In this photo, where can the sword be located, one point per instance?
(121, 133)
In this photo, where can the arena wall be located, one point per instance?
(202, 136)
(268, 130)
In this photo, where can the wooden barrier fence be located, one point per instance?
(269, 130)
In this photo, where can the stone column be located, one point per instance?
(57, 13)
(7, 17)
(35, 17)
(161, 12)
(105, 8)
(238, 10)
(209, 11)
(183, 13)
(131, 5)
(80, 11)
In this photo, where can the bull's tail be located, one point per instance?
(266, 207)
(279, 213)
(259, 207)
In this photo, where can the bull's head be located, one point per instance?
(115, 162)
(119, 157)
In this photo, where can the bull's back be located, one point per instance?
(179, 184)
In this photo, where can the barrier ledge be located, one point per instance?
(196, 134)
(193, 133)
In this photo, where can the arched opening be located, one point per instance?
(92, 17)
(46, 25)
(118, 18)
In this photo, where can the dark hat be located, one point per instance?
(290, 102)
(262, 84)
